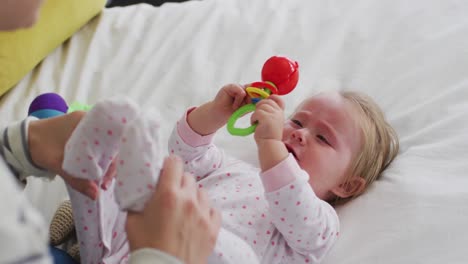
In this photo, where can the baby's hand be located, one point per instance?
(270, 118)
(210, 117)
(229, 99)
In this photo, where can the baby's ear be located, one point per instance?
(354, 185)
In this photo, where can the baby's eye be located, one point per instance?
(297, 122)
(323, 139)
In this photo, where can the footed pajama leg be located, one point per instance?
(89, 152)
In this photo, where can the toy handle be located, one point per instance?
(238, 114)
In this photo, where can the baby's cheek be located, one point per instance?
(314, 170)
(286, 131)
(309, 172)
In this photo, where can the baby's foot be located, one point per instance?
(138, 162)
(94, 143)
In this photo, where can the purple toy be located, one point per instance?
(48, 105)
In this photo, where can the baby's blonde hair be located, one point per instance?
(380, 141)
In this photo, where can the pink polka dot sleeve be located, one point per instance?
(201, 157)
(308, 224)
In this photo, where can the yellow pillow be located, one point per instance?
(22, 50)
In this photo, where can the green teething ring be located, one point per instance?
(236, 115)
(76, 106)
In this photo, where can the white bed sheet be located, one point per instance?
(411, 56)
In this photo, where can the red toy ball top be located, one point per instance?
(281, 71)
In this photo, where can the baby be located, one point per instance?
(329, 151)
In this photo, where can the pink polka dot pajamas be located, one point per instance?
(114, 130)
(275, 212)
(270, 217)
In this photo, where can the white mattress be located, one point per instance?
(411, 56)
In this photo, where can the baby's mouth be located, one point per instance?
(291, 150)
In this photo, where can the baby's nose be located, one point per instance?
(298, 136)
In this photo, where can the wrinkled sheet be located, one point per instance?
(411, 56)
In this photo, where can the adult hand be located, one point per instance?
(177, 220)
(47, 139)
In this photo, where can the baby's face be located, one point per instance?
(324, 136)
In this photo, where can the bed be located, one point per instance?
(410, 56)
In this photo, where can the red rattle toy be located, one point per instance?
(279, 76)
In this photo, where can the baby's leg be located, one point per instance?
(88, 154)
(100, 228)
(139, 162)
